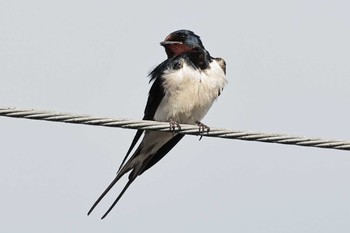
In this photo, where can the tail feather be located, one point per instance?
(140, 161)
(115, 180)
(119, 196)
(133, 143)
(126, 168)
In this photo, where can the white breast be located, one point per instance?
(189, 93)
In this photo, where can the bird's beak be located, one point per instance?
(168, 42)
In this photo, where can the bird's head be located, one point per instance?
(181, 41)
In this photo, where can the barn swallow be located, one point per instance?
(184, 87)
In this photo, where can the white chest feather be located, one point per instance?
(189, 93)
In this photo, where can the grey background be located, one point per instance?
(288, 71)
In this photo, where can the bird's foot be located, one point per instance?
(174, 125)
(202, 129)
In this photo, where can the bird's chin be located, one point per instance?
(175, 49)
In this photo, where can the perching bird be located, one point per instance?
(184, 88)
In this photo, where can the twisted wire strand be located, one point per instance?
(164, 127)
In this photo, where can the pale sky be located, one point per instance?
(288, 71)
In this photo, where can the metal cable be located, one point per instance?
(164, 127)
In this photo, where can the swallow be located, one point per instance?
(184, 87)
